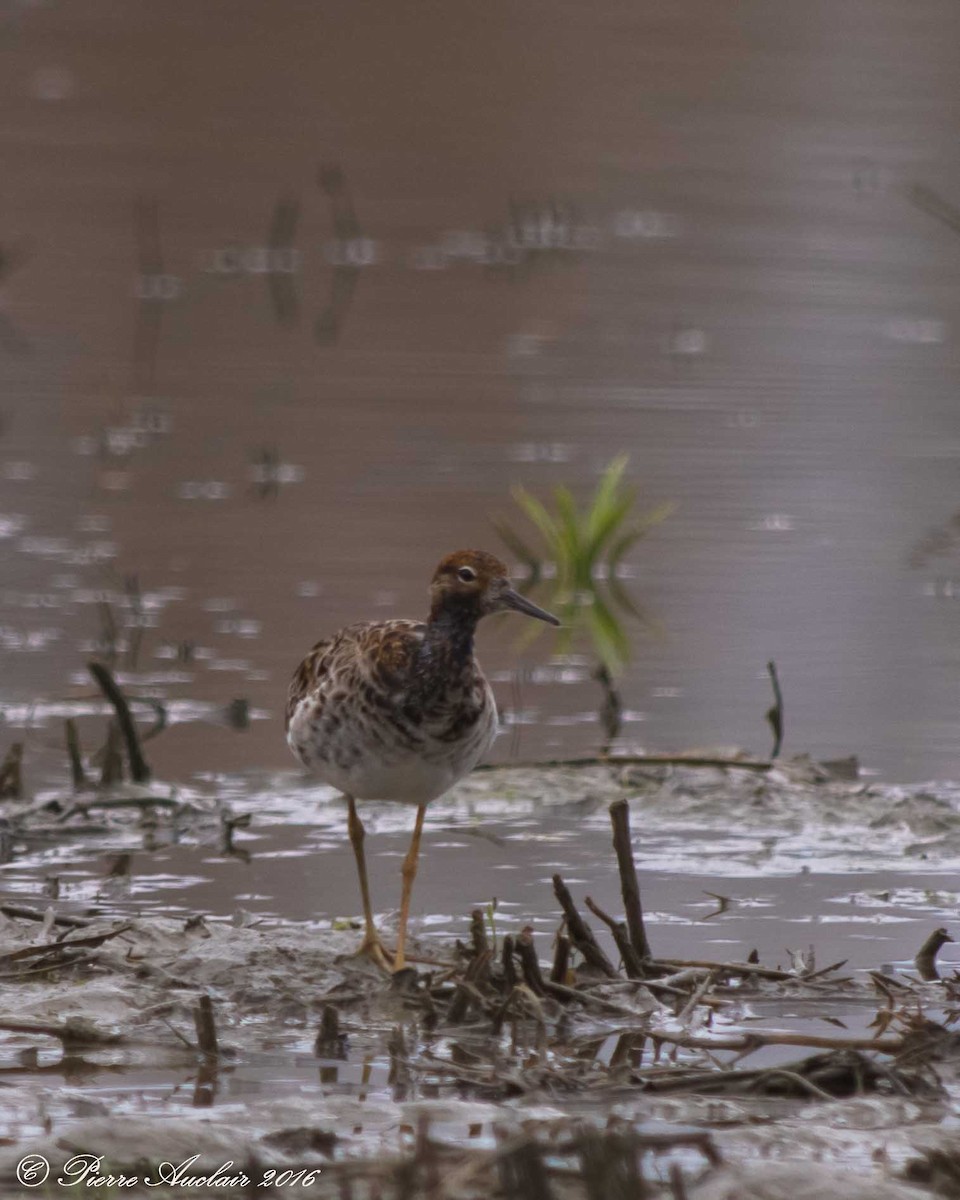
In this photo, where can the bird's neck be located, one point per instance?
(448, 643)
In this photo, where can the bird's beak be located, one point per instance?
(513, 600)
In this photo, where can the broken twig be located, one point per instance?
(926, 959)
(580, 932)
(11, 773)
(77, 773)
(206, 1027)
(631, 959)
(775, 713)
(629, 884)
(139, 771)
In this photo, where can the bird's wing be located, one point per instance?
(388, 651)
(379, 652)
(308, 677)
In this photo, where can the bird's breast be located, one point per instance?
(397, 745)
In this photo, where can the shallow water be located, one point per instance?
(272, 347)
(719, 879)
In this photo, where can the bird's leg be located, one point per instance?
(371, 944)
(409, 872)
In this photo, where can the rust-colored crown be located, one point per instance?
(487, 566)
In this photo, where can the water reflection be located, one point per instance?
(577, 560)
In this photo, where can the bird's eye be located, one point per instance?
(466, 574)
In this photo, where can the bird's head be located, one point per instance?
(474, 584)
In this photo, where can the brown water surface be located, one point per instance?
(293, 294)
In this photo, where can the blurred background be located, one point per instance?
(291, 296)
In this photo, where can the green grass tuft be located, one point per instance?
(575, 565)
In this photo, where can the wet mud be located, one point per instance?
(525, 1053)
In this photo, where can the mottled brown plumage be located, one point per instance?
(400, 710)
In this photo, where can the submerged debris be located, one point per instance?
(834, 1075)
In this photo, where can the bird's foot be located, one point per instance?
(388, 960)
(371, 947)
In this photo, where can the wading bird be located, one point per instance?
(400, 710)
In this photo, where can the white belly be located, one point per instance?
(408, 783)
(366, 770)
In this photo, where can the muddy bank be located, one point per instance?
(513, 1061)
(474, 1096)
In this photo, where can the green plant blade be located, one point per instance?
(606, 492)
(519, 548)
(639, 529)
(539, 516)
(626, 603)
(610, 643)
